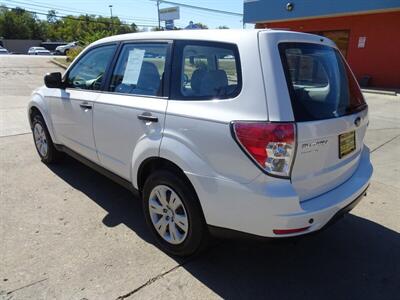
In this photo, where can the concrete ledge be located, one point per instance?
(380, 92)
(64, 66)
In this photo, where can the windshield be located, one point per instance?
(320, 83)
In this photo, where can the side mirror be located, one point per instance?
(53, 80)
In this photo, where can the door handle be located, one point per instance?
(147, 117)
(85, 105)
(357, 121)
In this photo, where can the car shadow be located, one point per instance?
(356, 258)
(122, 206)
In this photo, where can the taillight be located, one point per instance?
(270, 145)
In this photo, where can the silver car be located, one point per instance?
(38, 51)
(3, 51)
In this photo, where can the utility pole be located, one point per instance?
(112, 23)
(158, 13)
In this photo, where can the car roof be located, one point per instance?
(221, 35)
(234, 36)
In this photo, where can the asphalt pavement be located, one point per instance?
(69, 233)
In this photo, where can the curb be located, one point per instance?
(379, 92)
(58, 64)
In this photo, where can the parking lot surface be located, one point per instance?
(69, 233)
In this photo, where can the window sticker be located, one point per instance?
(133, 66)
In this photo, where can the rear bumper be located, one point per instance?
(269, 204)
(346, 209)
(233, 234)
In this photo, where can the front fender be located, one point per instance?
(38, 101)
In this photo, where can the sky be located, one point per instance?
(141, 12)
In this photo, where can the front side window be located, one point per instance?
(320, 83)
(205, 70)
(88, 72)
(140, 69)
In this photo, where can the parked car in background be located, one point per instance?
(65, 48)
(3, 50)
(221, 131)
(38, 51)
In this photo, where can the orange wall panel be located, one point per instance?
(380, 58)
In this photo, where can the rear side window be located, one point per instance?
(140, 69)
(321, 85)
(205, 71)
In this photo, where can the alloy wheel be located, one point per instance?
(168, 214)
(40, 139)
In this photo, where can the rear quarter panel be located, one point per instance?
(197, 134)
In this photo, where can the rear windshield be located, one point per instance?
(321, 86)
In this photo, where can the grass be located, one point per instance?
(62, 61)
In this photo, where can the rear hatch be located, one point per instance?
(330, 115)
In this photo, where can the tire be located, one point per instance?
(183, 204)
(42, 140)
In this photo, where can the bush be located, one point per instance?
(72, 53)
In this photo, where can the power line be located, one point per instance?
(36, 4)
(77, 19)
(76, 11)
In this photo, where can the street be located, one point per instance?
(69, 233)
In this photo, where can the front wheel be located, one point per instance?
(43, 143)
(173, 213)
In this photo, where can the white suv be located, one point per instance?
(63, 49)
(233, 131)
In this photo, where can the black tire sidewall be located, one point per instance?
(197, 234)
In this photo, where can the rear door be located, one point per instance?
(129, 117)
(330, 114)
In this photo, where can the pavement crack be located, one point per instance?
(160, 276)
(378, 129)
(150, 281)
(17, 134)
(385, 143)
(26, 286)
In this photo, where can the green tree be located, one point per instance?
(201, 25)
(20, 24)
(52, 16)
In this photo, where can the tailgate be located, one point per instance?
(330, 114)
(319, 165)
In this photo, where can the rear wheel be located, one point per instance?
(43, 143)
(173, 213)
